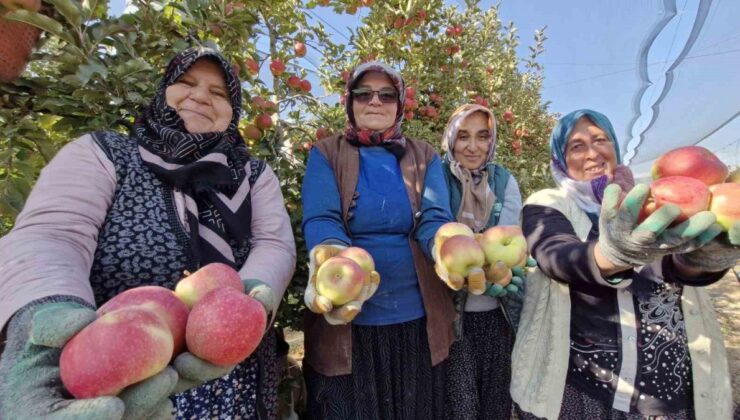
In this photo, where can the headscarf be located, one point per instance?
(207, 167)
(392, 138)
(587, 194)
(478, 198)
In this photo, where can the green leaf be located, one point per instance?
(42, 22)
(70, 10)
(86, 71)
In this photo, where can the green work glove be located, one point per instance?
(495, 290)
(627, 244)
(194, 371)
(263, 293)
(721, 251)
(30, 385)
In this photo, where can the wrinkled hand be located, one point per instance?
(721, 251)
(194, 371)
(341, 314)
(30, 385)
(626, 244)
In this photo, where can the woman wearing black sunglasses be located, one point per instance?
(371, 187)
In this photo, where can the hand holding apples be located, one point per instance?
(458, 256)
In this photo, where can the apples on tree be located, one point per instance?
(263, 121)
(294, 81)
(305, 85)
(251, 132)
(300, 49)
(277, 67)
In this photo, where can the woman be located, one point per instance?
(482, 194)
(615, 323)
(111, 212)
(376, 189)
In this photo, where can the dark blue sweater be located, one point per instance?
(381, 222)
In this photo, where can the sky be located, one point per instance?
(663, 71)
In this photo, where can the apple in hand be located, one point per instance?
(225, 327)
(689, 194)
(449, 230)
(499, 273)
(340, 280)
(506, 244)
(460, 254)
(194, 286)
(116, 350)
(690, 161)
(725, 204)
(359, 256)
(161, 301)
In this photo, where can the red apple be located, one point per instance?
(498, 273)
(367, 3)
(450, 31)
(460, 254)
(725, 203)
(263, 121)
(194, 286)
(340, 280)
(252, 66)
(410, 104)
(118, 349)
(324, 2)
(321, 133)
(161, 301)
(225, 327)
(409, 115)
(294, 82)
(481, 101)
(277, 67)
(432, 112)
(458, 30)
(509, 116)
(251, 132)
(305, 86)
(689, 194)
(359, 256)
(398, 23)
(299, 48)
(410, 92)
(691, 161)
(506, 244)
(449, 230)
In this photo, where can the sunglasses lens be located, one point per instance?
(388, 97)
(362, 95)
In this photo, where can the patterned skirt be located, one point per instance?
(479, 368)
(579, 405)
(392, 378)
(247, 392)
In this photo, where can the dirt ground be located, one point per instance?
(725, 295)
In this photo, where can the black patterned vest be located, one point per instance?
(142, 241)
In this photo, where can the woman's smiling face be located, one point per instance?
(589, 152)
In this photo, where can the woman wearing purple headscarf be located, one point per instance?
(616, 324)
(112, 212)
(382, 355)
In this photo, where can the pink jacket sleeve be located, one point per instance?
(273, 255)
(50, 249)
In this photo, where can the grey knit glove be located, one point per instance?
(627, 244)
(719, 254)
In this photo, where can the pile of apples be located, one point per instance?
(479, 258)
(694, 179)
(340, 278)
(140, 331)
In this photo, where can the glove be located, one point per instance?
(263, 293)
(316, 303)
(30, 385)
(476, 278)
(194, 371)
(626, 244)
(720, 253)
(500, 273)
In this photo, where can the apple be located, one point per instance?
(458, 30)
(509, 116)
(460, 254)
(340, 280)
(161, 301)
(305, 86)
(498, 273)
(359, 256)
(277, 67)
(252, 66)
(506, 244)
(450, 31)
(410, 92)
(409, 115)
(689, 194)
(449, 230)
(691, 161)
(263, 121)
(725, 203)
(194, 286)
(300, 49)
(410, 104)
(432, 112)
(118, 349)
(294, 82)
(251, 132)
(398, 23)
(367, 3)
(324, 2)
(422, 15)
(225, 327)
(321, 133)
(437, 99)
(481, 101)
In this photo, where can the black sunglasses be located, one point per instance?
(365, 95)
